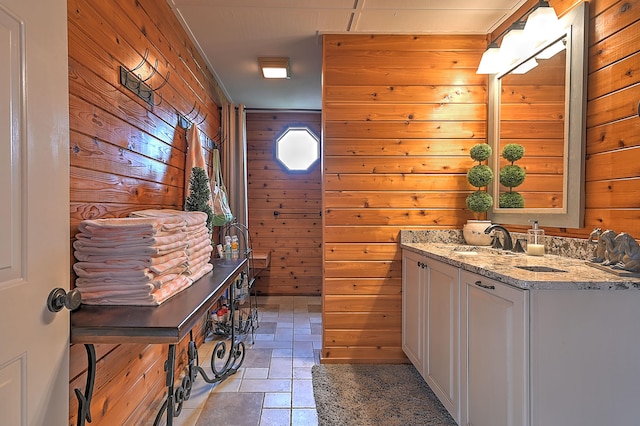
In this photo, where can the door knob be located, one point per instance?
(59, 298)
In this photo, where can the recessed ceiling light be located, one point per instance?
(275, 67)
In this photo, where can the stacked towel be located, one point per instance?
(199, 245)
(131, 261)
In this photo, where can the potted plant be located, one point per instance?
(479, 201)
(512, 176)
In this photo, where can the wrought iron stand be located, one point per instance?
(226, 359)
(176, 395)
(233, 359)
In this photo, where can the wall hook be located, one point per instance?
(154, 70)
(155, 105)
(144, 60)
(203, 118)
(138, 85)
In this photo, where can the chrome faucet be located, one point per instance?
(508, 243)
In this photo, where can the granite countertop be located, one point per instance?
(503, 265)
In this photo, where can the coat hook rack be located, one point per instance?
(185, 121)
(138, 85)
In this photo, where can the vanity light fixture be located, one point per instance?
(275, 67)
(490, 62)
(526, 67)
(521, 39)
(515, 44)
(542, 23)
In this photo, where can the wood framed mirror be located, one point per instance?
(544, 110)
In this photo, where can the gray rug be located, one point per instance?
(380, 395)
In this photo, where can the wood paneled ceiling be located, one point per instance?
(232, 34)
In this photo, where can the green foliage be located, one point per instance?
(479, 201)
(512, 152)
(480, 175)
(480, 152)
(512, 176)
(511, 200)
(199, 193)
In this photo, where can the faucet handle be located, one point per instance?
(518, 247)
(495, 242)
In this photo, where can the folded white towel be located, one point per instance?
(199, 250)
(136, 251)
(125, 241)
(197, 264)
(153, 298)
(147, 288)
(157, 281)
(201, 271)
(137, 275)
(152, 224)
(189, 218)
(117, 257)
(168, 265)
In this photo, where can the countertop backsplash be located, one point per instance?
(574, 248)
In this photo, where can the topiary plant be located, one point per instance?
(199, 195)
(512, 176)
(480, 176)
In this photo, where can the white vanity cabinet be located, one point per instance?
(494, 350)
(526, 348)
(414, 282)
(431, 325)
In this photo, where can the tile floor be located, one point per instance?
(273, 386)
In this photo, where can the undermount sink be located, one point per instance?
(540, 269)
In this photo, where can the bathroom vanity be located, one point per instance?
(511, 339)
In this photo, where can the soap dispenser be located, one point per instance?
(535, 244)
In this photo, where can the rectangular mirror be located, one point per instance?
(543, 110)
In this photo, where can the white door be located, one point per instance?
(34, 211)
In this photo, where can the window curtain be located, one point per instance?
(234, 157)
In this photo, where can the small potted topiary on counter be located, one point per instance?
(512, 176)
(479, 201)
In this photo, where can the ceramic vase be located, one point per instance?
(473, 232)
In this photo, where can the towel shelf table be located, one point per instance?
(167, 323)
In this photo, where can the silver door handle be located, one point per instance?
(59, 298)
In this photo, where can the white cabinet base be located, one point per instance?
(494, 351)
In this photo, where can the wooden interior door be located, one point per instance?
(34, 211)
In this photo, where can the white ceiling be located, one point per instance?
(232, 34)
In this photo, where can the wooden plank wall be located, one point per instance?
(294, 237)
(127, 155)
(400, 114)
(613, 125)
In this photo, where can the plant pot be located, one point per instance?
(473, 232)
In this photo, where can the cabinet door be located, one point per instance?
(495, 348)
(442, 355)
(413, 290)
